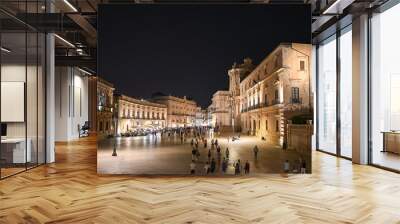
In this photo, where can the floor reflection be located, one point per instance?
(167, 155)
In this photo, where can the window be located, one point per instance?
(302, 65)
(276, 96)
(277, 125)
(295, 95)
(346, 93)
(327, 95)
(385, 88)
(107, 126)
(266, 124)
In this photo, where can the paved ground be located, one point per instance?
(151, 155)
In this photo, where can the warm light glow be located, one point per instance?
(70, 5)
(64, 40)
(84, 71)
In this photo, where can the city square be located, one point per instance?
(268, 105)
(153, 154)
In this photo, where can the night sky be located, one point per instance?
(187, 49)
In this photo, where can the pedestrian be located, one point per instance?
(193, 154)
(213, 164)
(255, 151)
(191, 142)
(209, 154)
(207, 168)
(286, 166)
(197, 154)
(205, 143)
(216, 142)
(227, 153)
(192, 167)
(247, 167)
(224, 165)
(237, 167)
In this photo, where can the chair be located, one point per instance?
(84, 130)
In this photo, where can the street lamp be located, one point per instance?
(115, 131)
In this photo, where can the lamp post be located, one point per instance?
(115, 114)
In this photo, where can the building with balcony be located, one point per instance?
(181, 111)
(277, 90)
(105, 93)
(135, 114)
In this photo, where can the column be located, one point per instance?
(50, 96)
(360, 90)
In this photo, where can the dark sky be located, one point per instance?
(187, 49)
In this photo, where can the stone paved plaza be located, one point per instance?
(142, 155)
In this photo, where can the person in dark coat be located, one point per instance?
(213, 164)
(237, 167)
(224, 165)
(247, 167)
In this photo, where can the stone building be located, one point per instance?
(275, 91)
(135, 114)
(208, 115)
(237, 73)
(221, 109)
(200, 117)
(105, 92)
(181, 111)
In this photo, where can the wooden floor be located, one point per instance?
(70, 191)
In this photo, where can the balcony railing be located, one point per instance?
(295, 100)
(143, 118)
(257, 106)
(272, 103)
(104, 108)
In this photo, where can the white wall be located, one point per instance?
(71, 103)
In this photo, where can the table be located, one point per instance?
(13, 150)
(391, 141)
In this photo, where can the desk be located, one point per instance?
(13, 150)
(391, 141)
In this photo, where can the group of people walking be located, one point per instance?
(215, 163)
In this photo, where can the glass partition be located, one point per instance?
(346, 95)
(385, 89)
(327, 95)
(22, 91)
(13, 91)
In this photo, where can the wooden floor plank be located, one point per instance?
(70, 191)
